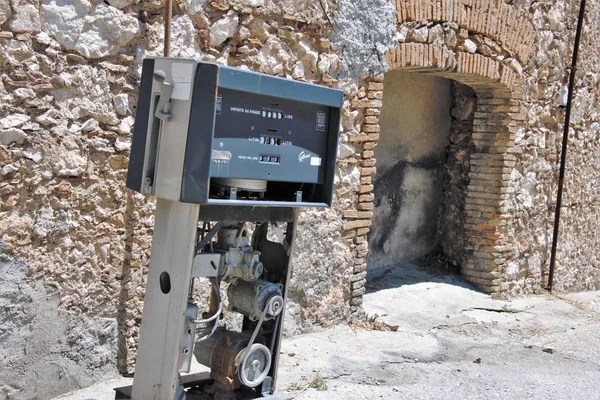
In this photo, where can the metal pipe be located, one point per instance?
(168, 17)
(565, 142)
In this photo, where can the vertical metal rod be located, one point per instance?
(565, 142)
(168, 17)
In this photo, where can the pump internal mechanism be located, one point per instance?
(242, 361)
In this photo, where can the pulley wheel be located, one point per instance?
(255, 365)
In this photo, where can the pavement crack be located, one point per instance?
(447, 326)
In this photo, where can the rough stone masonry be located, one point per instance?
(76, 242)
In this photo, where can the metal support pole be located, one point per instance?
(168, 17)
(565, 142)
(163, 318)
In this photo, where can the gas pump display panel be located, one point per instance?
(243, 138)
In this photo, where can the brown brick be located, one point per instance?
(366, 197)
(362, 253)
(371, 120)
(357, 214)
(371, 128)
(375, 95)
(358, 284)
(364, 206)
(371, 137)
(349, 234)
(366, 103)
(375, 86)
(368, 154)
(372, 111)
(356, 224)
(365, 189)
(369, 145)
(368, 162)
(360, 268)
(357, 301)
(367, 171)
(366, 180)
(362, 231)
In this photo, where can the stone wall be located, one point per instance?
(69, 77)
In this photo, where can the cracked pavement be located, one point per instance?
(452, 342)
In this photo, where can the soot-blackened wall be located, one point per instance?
(415, 122)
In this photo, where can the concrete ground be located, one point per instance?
(443, 339)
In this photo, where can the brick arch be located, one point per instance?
(496, 121)
(497, 20)
(504, 39)
(498, 114)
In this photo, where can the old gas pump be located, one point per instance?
(228, 153)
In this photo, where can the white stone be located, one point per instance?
(121, 102)
(249, 3)
(196, 6)
(516, 66)
(8, 169)
(298, 70)
(44, 222)
(353, 178)
(122, 3)
(105, 250)
(5, 11)
(324, 64)
(223, 29)
(48, 118)
(12, 135)
(307, 54)
(26, 16)
(244, 33)
(13, 121)
(563, 96)
(345, 151)
(555, 19)
(24, 93)
(436, 35)
(71, 163)
(582, 102)
(35, 155)
(402, 34)
(348, 118)
(122, 143)
(99, 144)
(16, 51)
(528, 190)
(93, 31)
(89, 96)
(45, 39)
(470, 46)
(451, 40)
(90, 125)
(267, 58)
(421, 35)
(126, 125)
(594, 129)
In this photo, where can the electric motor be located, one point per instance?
(231, 362)
(251, 299)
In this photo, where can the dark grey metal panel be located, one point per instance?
(331, 159)
(251, 125)
(135, 172)
(248, 81)
(246, 213)
(196, 168)
(265, 203)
